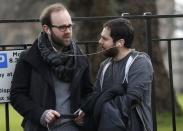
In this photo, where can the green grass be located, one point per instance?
(14, 117)
(163, 120)
(180, 99)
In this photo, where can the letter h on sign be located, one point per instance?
(3, 60)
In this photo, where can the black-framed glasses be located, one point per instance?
(63, 27)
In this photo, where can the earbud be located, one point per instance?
(118, 44)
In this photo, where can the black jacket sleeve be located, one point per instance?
(19, 94)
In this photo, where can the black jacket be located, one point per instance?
(32, 90)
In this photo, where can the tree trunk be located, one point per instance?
(89, 30)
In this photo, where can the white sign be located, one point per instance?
(8, 60)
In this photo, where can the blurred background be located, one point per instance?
(26, 33)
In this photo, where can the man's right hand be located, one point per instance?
(49, 116)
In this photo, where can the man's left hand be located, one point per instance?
(80, 118)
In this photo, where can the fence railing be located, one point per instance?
(147, 19)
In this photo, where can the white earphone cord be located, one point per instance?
(48, 127)
(90, 54)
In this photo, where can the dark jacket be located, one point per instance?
(32, 90)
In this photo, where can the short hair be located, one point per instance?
(121, 29)
(45, 17)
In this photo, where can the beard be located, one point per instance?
(60, 42)
(111, 52)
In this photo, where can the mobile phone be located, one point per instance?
(68, 116)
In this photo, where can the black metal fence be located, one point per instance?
(147, 19)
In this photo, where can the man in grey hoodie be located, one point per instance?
(122, 97)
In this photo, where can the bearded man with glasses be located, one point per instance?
(49, 80)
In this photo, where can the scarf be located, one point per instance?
(61, 64)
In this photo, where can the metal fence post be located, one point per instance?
(7, 110)
(149, 50)
(7, 117)
(171, 85)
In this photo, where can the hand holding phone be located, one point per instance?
(79, 119)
